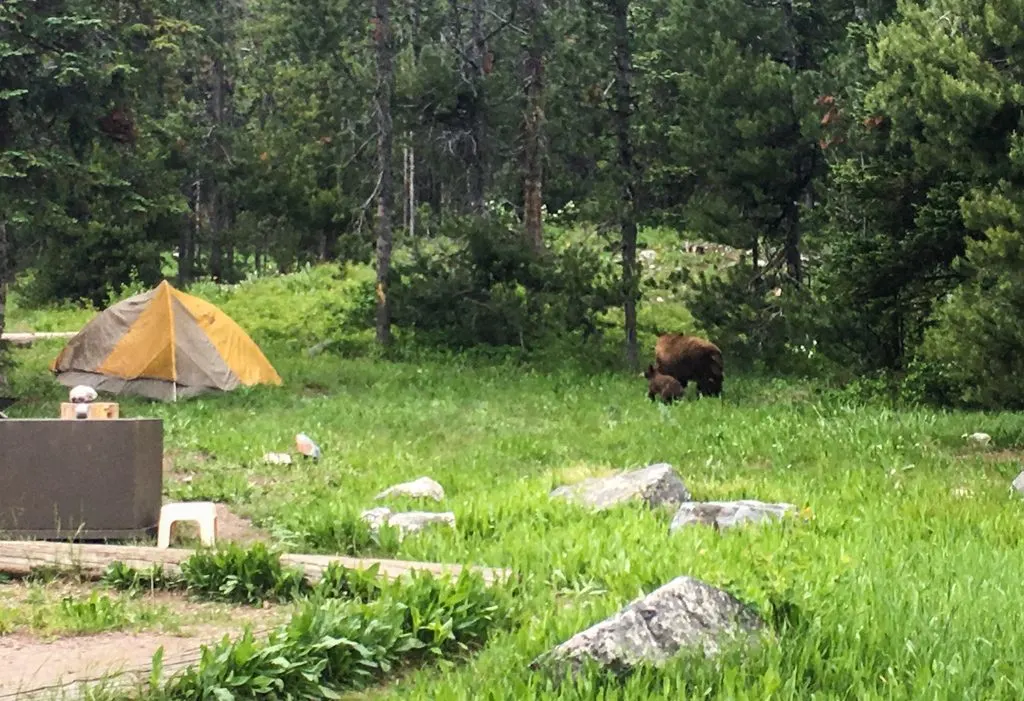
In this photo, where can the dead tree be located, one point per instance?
(382, 107)
(627, 170)
(533, 153)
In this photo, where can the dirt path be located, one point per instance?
(31, 668)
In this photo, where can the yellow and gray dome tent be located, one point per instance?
(163, 344)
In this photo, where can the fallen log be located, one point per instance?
(26, 339)
(19, 558)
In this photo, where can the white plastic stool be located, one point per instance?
(202, 512)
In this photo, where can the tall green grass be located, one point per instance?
(890, 584)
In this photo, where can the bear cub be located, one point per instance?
(664, 386)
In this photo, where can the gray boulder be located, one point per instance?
(407, 521)
(422, 488)
(1018, 483)
(684, 613)
(726, 514)
(656, 485)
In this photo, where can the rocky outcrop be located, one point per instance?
(656, 485)
(684, 613)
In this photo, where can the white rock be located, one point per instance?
(1018, 483)
(978, 437)
(376, 517)
(684, 613)
(406, 521)
(655, 485)
(726, 514)
(278, 458)
(422, 488)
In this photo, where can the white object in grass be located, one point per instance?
(978, 437)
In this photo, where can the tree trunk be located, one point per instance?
(410, 158)
(533, 153)
(478, 114)
(627, 167)
(791, 243)
(5, 276)
(794, 265)
(409, 185)
(216, 206)
(412, 187)
(213, 219)
(382, 106)
(185, 253)
(6, 265)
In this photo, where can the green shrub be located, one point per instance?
(246, 575)
(341, 530)
(338, 582)
(310, 306)
(974, 354)
(237, 575)
(331, 645)
(765, 324)
(124, 578)
(480, 283)
(95, 614)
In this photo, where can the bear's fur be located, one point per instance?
(664, 386)
(690, 358)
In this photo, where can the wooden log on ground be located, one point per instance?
(19, 558)
(26, 339)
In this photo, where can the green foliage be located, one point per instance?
(974, 355)
(332, 645)
(479, 282)
(340, 529)
(124, 578)
(239, 575)
(83, 144)
(322, 303)
(230, 574)
(881, 548)
(247, 576)
(95, 614)
(50, 610)
(934, 131)
(338, 582)
(756, 319)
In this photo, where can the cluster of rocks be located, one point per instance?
(409, 521)
(685, 612)
(659, 485)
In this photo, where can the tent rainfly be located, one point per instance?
(163, 344)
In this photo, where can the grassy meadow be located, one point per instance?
(899, 578)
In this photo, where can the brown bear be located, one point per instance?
(689, 358)
(664, 386)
